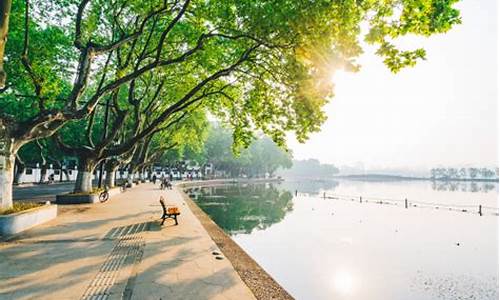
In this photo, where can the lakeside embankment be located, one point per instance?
(255, 277)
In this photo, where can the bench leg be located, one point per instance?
(175, 218)
(163, 219)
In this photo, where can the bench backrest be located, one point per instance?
(171, 210)
(162, 202)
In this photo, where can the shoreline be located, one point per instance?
(387, 178)
(262, 285)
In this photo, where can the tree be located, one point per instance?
(462, 173)
(433, 173)
(486, 173)
(261, 157)
(259, 66)
(186, 136)
(452, 173)
(473, 172)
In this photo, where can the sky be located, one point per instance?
(442, 112)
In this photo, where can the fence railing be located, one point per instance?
(406, 203)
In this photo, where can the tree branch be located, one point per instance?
(37, 82)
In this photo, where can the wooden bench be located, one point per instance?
(169, 211)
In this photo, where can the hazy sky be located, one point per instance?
(441, 112)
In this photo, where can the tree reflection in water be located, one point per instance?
(463, 186)
(243, 208)
(311, 187)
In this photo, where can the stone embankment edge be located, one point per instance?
(262, 285)
(18, 222)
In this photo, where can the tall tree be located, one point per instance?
(257, 65)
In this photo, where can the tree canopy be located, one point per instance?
(259, 66)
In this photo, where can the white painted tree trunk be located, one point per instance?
(43, 174)
(83, 182)
(130, 177)
(110, 178)
(6, 179)
(66, 175)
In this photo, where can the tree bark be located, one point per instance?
(111, 167)
(8, 151)
(43, 173)
(5, 6)
(65, 171)
(142, 174)
(83, 182)
(20, 168)
(132, 169)
(7, 161)
(130, 177)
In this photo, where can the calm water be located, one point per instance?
(339, 248)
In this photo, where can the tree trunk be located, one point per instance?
(7, 161)
(131, 172)
(20, 168)
(83, 182)
(65, 171)
(111, 168)
(150, 173)
(142, 175)
(5, 6)
(110, 178)
(43, 173)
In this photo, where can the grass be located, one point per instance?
(20, 206)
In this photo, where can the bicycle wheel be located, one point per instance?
(103, 196)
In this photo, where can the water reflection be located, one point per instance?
(243, 208)
(311, 187)
(352, 250)
(317, 186)
(462, 186)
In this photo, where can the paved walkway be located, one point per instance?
(119, 249)
(41, 192)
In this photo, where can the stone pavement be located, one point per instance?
(117, 250)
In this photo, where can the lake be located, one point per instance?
(319, 240)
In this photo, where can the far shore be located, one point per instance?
(384, 177)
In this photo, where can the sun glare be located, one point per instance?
(343, 282)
